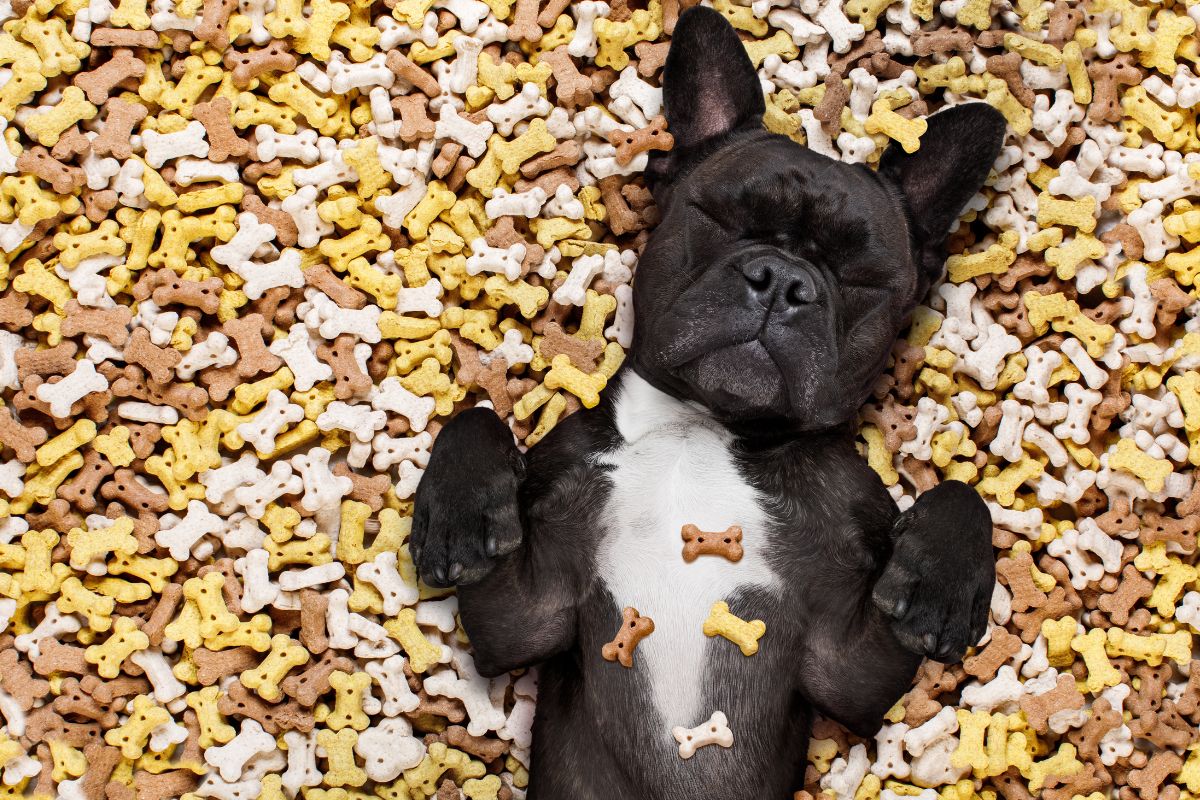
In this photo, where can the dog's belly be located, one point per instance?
(679, 471)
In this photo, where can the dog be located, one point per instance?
(766, 304)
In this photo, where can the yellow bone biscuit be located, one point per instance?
(1178, 646)
(154, 571)
(1059, 635)
(348, 707)
(436, 200)
(1062, 764)
(995, 259)
(122, 591)
(114, 446)
(423, 779)
(47, 126)
(74, 597)
(907, 132)
(37, 575)
(1065, 316)
(1079, 213)
(510, 155)
(1170, 30)
(565, 375)
(66, 442)
(422, 654)
(1142, 648)
(254, 633)
(339, 748)
(1101, 672)
(527, 298)
(91, 544)
(285, 654)
(125, 640)
(972, 729)
(69, 762)
(1045, 54)
(104, 240)
(214, 729)
(134, 734)
(1153, 471)
(745, 634)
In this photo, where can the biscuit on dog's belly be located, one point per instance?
(674, 469)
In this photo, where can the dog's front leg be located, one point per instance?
(468, 530)
(938, 584)
(931, 599)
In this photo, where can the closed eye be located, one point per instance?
(724, 223)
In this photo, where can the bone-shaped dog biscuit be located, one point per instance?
(744, 634)
(714, 731)
(727, 543)
(634, 628)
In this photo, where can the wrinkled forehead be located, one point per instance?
(773, 177)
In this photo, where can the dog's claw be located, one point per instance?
(455, 570)
(491, 546)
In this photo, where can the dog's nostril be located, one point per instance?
(758, 275)
(800, 292)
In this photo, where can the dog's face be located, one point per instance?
(778, 279)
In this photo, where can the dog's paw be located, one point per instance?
(466, 514)
(937, 586)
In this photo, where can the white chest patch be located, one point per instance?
(676, 468)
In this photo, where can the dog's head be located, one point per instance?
(779, 278)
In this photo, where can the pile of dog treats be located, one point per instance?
(256, 252)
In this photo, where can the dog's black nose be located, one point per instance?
(777, 282)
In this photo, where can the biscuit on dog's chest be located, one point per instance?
(726, 543)
(634, 628)
(674, 483)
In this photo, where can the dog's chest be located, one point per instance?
(675, 469)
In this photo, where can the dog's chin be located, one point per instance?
(739, 383)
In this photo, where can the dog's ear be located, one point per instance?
(709, 84)
(939, 179)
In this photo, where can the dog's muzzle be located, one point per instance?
(779, 282)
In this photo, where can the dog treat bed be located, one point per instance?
(256, 252)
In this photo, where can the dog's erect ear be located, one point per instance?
(709, 85)
(956, 154)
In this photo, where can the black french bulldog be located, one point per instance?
(766, 302)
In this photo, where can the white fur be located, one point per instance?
(675, 468)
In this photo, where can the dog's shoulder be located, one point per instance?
(565, 479)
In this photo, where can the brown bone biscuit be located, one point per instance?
(64, 178)
(223, 140)
(726, 543)
(634, 628)
(107, 323)
(21, 439)
(1063, 697)
(99, 83)
(274, 717)
(275, 57)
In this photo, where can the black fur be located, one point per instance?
(771, 293)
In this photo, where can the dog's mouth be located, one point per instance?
(709, 327)
(739, 380)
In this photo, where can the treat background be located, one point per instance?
(1055, 371)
